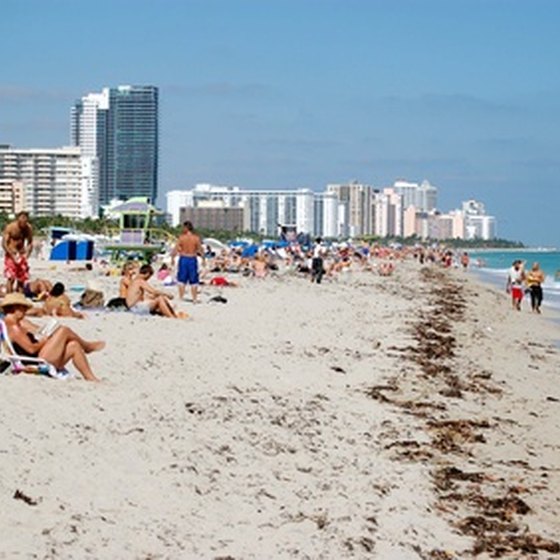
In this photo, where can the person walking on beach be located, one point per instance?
(535, 279)
(516, 278)
(188, 248)
(317, 266)
(465, 260)
(17, 242)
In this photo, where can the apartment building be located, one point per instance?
(54, 181)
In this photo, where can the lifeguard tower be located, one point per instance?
(135, 225)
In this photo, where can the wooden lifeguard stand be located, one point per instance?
(135, 223)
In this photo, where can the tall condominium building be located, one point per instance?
(408, 191)
(423, 197)
(54, 181)
(387, 213)
(426, 197)
(355, 201)
(119, 126)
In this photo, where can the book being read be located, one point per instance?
(48, 328)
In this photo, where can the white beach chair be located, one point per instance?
(12, 363)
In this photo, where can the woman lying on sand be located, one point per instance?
(56, 304)
(58, 349)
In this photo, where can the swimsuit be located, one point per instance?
(16, 270)
(20, 351)
(188, 270)
(141, 308)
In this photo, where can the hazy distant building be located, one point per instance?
(119, 126)
(426, 197)
(325, 215)
(478, 225)
(387, 213)
(355, 203)
(215, 217)
(54, 181)
(422, 196)
(408, 191)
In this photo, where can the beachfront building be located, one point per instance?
(387, 213)
(442, 226)
(326, 215)
(263, 210)
(119, 127)
(480, 227)
(12, 196)
(434, 224)
(478, 224)
(422, 196)
(355, 203)
(54, 181)
(214, 215)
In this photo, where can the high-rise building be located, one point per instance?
(408, 191)
(426, 200)
(119, 126)
(355, 201)
(423, 197)
(387, 213)
(54, 181)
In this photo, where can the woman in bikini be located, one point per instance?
(58, 349)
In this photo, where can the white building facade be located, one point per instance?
(55, 181)
(263, 211)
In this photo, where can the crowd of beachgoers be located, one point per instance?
(339, 403)
(146, 288)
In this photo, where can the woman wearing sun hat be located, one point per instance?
(58, 349)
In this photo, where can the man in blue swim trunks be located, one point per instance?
(188, 248)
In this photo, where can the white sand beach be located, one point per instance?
(412, 416)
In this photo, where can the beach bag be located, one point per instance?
(91, 298)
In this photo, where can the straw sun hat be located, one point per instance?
(15, 298)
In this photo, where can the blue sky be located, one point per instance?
(289, 94)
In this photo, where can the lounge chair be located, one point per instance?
(12, 363)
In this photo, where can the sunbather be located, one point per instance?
(58, 303)
(58, 349)
(142, 298)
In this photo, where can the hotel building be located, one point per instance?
(51, 181)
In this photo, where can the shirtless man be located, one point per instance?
(142, 298)
(188, 247)
(17, 243)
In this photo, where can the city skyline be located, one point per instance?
(302, 94)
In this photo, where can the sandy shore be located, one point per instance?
(415, 416)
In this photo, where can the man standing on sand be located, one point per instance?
(188, 248)
(17, 242)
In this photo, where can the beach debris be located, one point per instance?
(338, 369)
(19, 495)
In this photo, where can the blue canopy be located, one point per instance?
(250, 251)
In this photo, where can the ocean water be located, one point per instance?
(493, 267)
